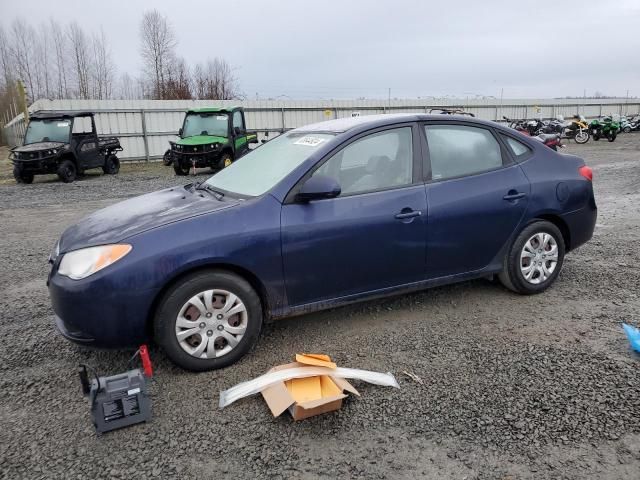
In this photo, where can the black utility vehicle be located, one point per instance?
(65, 144)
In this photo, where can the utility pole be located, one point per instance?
(389, 101)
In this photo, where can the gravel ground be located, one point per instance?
(513, 387)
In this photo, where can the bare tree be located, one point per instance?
(60, 49)
(215, 81)
(178, 82)
(80, 55)
(102, 67)
(22, 54)
(42, 65)
(6, 63)
(158, 47)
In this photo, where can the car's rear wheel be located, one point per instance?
(22, 177)
(208, 320)
(67, 171)
(111, 165)
(534, 259)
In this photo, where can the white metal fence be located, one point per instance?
(145, 126)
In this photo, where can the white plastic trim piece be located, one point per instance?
(251, 387)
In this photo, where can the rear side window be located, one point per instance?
(519, 150)
(458, 150)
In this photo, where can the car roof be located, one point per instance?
(213, 109)
(342, 125)
(59, 114)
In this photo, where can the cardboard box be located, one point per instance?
(310, 396)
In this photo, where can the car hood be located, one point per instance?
(201, 140)
(36, 147)
(139, 214)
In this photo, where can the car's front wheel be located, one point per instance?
(534, 259)
(180, 169)
(67, 171)
(208, 320)
(22, 177)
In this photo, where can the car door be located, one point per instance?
(476, 195)
(86, 140)
(372, 236)
(241, 143)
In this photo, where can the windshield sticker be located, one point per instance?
(221, 117)
(63, 124)
(309, 141)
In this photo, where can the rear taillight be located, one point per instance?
(586, 172)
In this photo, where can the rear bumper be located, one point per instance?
(581, 224)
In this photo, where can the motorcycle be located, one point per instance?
(604, 128)
(578, 129)
(551, 140)
(518, 125)
(625, 125)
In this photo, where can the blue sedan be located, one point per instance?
(321, 216)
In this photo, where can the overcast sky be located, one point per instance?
(350, 49)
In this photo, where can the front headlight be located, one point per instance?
(87, 261)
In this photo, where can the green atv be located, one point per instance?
(210, 137)
(604, 128)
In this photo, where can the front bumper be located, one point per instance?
(201, 159)
(97, 312)
(38, 166)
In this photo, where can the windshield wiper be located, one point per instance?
(205, 186)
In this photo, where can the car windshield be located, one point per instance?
(49, 130)
(261, 169)
(205, 124)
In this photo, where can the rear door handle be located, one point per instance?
(411, 214)
(513, 195)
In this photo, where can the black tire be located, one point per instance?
(180, 169)
(166, 316)
(111, 165)
(22, 177)
(67, 171)
(512, 276)
(596, 137)
(626, 129)
(166, 158)
(225, 160)
(612, 137)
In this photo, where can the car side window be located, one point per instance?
(459, 150)
(376, 162)
(238, 121)
(519, 150)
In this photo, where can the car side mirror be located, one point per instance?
(180, 132)
(237, 130)
(318, 187)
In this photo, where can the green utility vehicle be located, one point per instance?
(210, 137)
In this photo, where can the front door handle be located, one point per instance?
(513, 195)
(408, 214)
